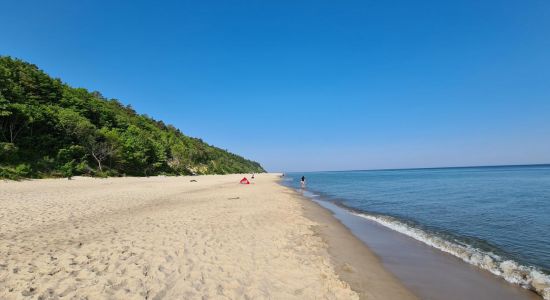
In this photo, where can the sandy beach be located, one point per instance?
(169, 237)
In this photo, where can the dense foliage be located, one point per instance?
(48, 128)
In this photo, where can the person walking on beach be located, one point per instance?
(303, 182)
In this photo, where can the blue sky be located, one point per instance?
(312, 85)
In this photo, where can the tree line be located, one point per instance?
(49, 129)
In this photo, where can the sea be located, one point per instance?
(496, 218)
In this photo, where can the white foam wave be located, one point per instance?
(511, 271)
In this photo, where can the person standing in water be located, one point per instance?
(303, 182)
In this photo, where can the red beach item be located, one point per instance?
(245, 181)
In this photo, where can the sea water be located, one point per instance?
(496, 218)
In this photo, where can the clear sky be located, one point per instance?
(312, 85)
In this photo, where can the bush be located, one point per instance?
(105, 173)
(7, 152)
(68, 169)
(17, 173)
(82, 168)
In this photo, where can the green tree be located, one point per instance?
(48, 128)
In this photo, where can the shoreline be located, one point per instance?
(353, 260)
(419, 267)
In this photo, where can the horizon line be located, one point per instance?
(427, 168)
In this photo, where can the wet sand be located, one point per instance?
(168, 237)
(353, 260)
(426, 271)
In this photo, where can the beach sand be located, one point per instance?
(168, 237)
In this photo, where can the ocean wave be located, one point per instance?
(527, 277)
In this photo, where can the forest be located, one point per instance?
(50, 129)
